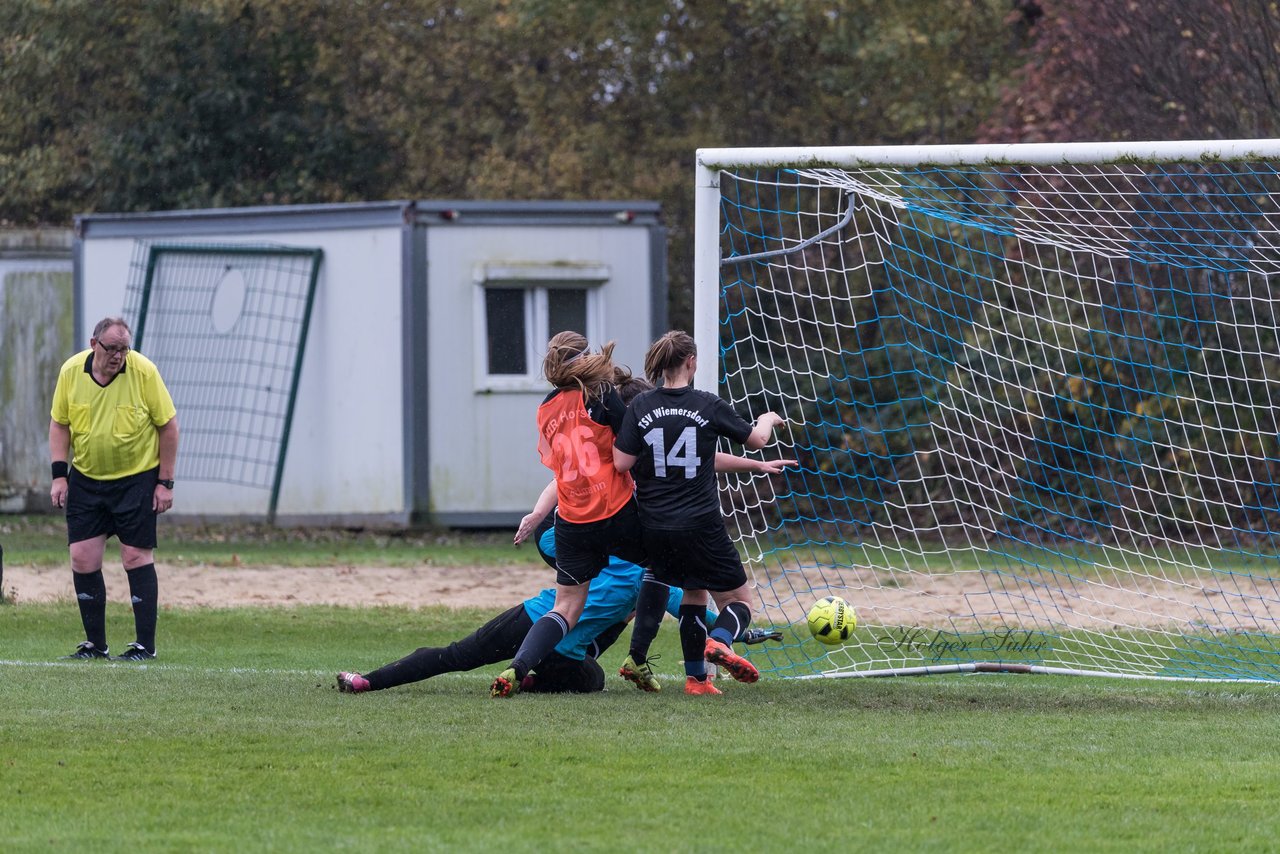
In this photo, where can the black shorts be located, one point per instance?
(105, 507)
(583, 548)
(703, 558)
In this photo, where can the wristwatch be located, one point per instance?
(167, 484)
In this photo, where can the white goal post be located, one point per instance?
(1035, 395)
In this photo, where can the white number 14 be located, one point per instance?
(684, 453)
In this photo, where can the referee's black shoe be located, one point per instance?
(135, 652)
(86, 651)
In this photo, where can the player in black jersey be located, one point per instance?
(668, 443)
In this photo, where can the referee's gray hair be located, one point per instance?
(107, 322)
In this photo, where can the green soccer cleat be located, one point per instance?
(640, 675)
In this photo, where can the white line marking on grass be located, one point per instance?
(186, 668)
(192, 668)
(247, 671)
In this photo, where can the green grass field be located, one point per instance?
(236, 740)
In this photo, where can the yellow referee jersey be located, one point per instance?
(113, 428)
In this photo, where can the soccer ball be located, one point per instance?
(831, 620)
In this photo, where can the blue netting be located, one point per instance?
(1042, 400)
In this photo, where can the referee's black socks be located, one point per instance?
(91, 596)
(144, 594)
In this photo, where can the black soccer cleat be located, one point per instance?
(87, 651)
(754, 636)
(135, 652)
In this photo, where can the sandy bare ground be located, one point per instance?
(950, 600)
(210, 586)
(967, 600)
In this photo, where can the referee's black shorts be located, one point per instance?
(122, 508)
(702, 558)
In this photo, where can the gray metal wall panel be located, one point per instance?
(221, 221)
(36, 336)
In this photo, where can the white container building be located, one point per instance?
(393, 377)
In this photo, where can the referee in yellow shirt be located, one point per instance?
(113, 440)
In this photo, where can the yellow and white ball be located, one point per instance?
(831, 620)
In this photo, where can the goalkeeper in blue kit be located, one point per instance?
(571, 668)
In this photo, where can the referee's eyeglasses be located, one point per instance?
(114, 351)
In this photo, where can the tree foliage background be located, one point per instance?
(154, 105)
(1156, 416)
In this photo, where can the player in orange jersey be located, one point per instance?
(595, 503)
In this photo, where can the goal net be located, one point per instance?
(1034, 392)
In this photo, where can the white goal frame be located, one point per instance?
(711, 163)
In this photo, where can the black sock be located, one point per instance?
(651, 605)
(91, 594)
(693, 639)
(422, 663)
(606, 639)
(548, 631)
(145, 595)
(731, 623)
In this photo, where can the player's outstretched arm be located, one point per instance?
(546, 501)
(732, 462)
